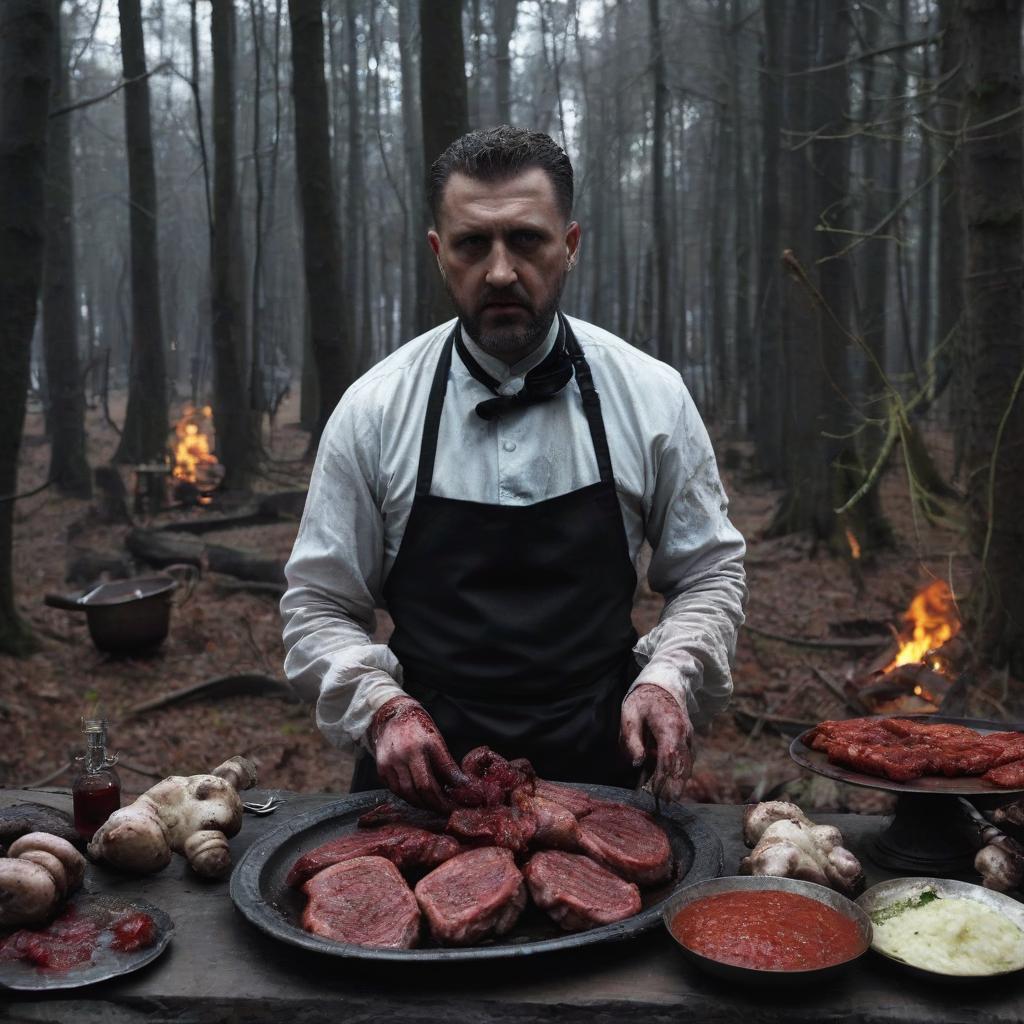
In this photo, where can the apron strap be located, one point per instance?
(435, 403)
(591, 404)
(432, 419)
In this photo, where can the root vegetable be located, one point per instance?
(35, 876)
(193, 816)
(790, 845)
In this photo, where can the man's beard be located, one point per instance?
(517, 339)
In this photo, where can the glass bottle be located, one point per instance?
(96, 791)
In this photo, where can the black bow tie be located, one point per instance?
(543, 382)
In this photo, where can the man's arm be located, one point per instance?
(334, 576)
(697, 563)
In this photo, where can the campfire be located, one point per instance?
(918, 676)
(194, 465)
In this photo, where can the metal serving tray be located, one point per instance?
(259, 892)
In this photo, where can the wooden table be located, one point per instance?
(220, 968)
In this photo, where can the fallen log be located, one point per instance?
(247, 684)
(163, 549)
(244, 565)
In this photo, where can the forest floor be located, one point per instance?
(794, 591)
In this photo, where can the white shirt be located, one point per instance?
(364, 480)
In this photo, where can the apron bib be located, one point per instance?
(512, 623)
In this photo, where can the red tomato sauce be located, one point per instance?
(767, 930)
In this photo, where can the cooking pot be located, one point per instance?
(130, 616)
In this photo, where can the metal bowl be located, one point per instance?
(760, 883)
(896, 889)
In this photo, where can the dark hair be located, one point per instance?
(500, 153)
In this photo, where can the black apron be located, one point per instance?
(512, 622)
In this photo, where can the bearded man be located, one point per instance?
(491, 483)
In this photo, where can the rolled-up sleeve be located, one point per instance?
(697, 564)
(334, 579)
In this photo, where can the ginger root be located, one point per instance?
(38, 873)
(194, 816)
(790, 845)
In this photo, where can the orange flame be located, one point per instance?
(851, 539)
(192, 449)
(930, 620)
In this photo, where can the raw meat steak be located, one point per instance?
(507, 827)
(364, 901)
(472, 897)
(406, 846)
(557, 827)
(497, 776)
(401, 813)
(577, 892)
(628, 842)
(574, 800)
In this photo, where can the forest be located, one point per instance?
(213, 221)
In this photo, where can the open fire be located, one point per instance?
(929, 622)
(194, 464)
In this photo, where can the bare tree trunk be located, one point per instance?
(257, 401)
(444, 110)
(994, 207)
(69, 469)
(144, 438)
(330, 328)
(26, 62)
(235, 421)
(505, 12)
(414, 266)
(663, 336)
(769, 414)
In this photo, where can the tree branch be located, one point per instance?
(92, 100)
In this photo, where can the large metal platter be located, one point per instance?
(817, 761)
(895, 890)
(259, 891)
(106, 963)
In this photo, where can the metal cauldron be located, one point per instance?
(130, 616)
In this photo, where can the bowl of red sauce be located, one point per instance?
(766, 929)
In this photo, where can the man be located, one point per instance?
(492, 483)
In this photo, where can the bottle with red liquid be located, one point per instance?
(96, 792)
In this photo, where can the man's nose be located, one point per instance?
(501, 270)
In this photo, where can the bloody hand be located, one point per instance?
(656, 729)
(412, 758)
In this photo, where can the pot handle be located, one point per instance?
(186, 575)
(65, 603)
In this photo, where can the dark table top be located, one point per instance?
(220, 968)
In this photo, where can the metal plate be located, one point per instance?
(761, 883)
(896, 889)
(106, 963)
(817, 761)
(259, 891)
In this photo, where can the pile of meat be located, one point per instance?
(468, 876)
(903, 750)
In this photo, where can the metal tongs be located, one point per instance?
(270, 805)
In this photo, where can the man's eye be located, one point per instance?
(526, 238)
(471, 243)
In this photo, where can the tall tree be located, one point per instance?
(414, 266)
(445, 111)
(994, 208)
(659, 213)
(144, 437)
(234, 419)
(505, 12)
(69, 470)
(330, 328)
(26, 62)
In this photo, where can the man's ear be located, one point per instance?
(572, 243)
(435, 241)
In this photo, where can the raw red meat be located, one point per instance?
(574, 800)
(498, 777)
(133, 931)
(389, 813)
(628, 842)
(406, 846)
(66, 942)
(1009, 775)
(363, 901)
(472, 897)
(507, 827)
(577, 892)
(557, 827)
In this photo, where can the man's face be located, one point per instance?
(504, 250)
